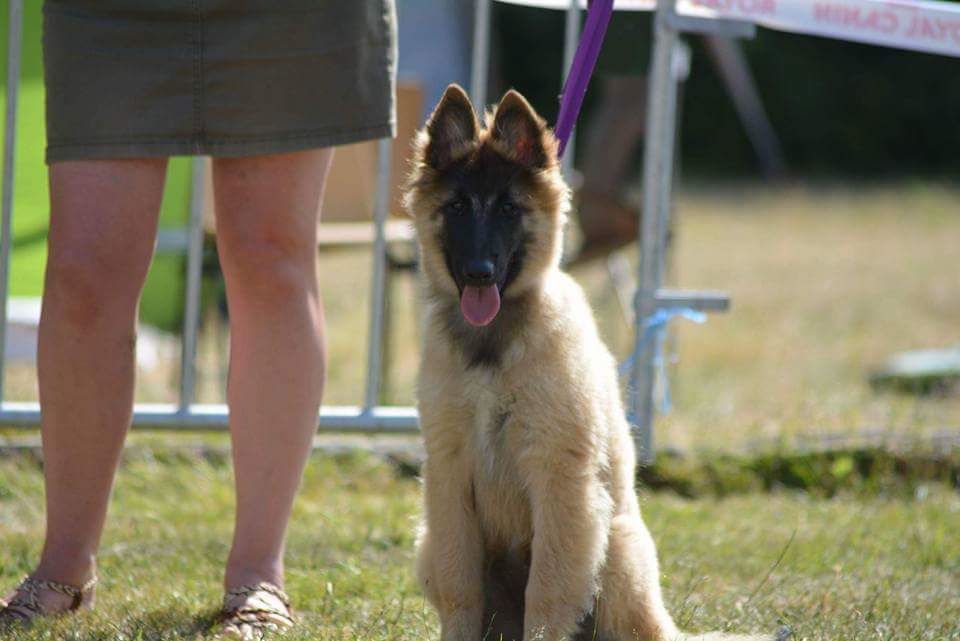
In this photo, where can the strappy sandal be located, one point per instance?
(251, 612)
(26, 606)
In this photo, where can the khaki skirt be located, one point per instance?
(141, 78)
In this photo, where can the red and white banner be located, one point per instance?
(918, 25)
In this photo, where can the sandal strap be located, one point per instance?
(252, 588)
(257, 617)
(63, 588)
(25, 603)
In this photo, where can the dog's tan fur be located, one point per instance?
(531, 518)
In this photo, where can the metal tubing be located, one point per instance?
(571, 38)
(191, 303)
(378, 277)
(723, 27)
(704, 301)
(657, 179)
(480, 64)
(163, 416)
(14, 38)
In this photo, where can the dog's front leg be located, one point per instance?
(451, 549)
(571, 516)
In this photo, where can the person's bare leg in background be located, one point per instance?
(607, 220)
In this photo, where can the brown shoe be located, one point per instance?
(26, 603)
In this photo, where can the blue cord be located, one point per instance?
(652, 330)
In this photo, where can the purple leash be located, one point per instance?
(575, 87)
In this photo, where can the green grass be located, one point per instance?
(853, 567)
(826, 283)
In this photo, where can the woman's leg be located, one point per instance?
(103, 222)
(267, 212)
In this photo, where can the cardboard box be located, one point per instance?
(350, 188)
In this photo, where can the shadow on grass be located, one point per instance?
(154, 625)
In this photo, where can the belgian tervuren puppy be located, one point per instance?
(532, 528)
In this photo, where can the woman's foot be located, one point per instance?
(35, 598)
(251, 612)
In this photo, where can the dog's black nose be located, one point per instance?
(479, 272)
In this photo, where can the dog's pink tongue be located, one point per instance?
(479, 305)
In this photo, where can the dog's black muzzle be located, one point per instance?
(478, 272)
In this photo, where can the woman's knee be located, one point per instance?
(103, 223)
(267, 210)
(268, 262)
(87, 284)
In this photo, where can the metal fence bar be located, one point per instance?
(14, 39)
(657, 180)
(370, 417)
(191, 303)
(571, 37)
(167, 416)
(680, 62)
(378, 279)
(480, 63)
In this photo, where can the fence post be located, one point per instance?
(191, 302)
(657, 183)
(571, 37)
(480, 60)
(378, 278)
(14, 38)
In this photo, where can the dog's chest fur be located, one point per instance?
(497, 440)
(487, 374)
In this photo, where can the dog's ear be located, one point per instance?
(522, 134)
(452, 128)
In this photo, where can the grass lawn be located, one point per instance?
(826, 283)
(854, 567)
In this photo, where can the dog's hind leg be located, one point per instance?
(631, 605)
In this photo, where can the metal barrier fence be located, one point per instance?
(186, 414)
(925, 26)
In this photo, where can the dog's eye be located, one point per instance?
(456, 207)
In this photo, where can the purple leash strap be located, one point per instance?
(575, 86)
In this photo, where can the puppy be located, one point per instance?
(532, 528)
